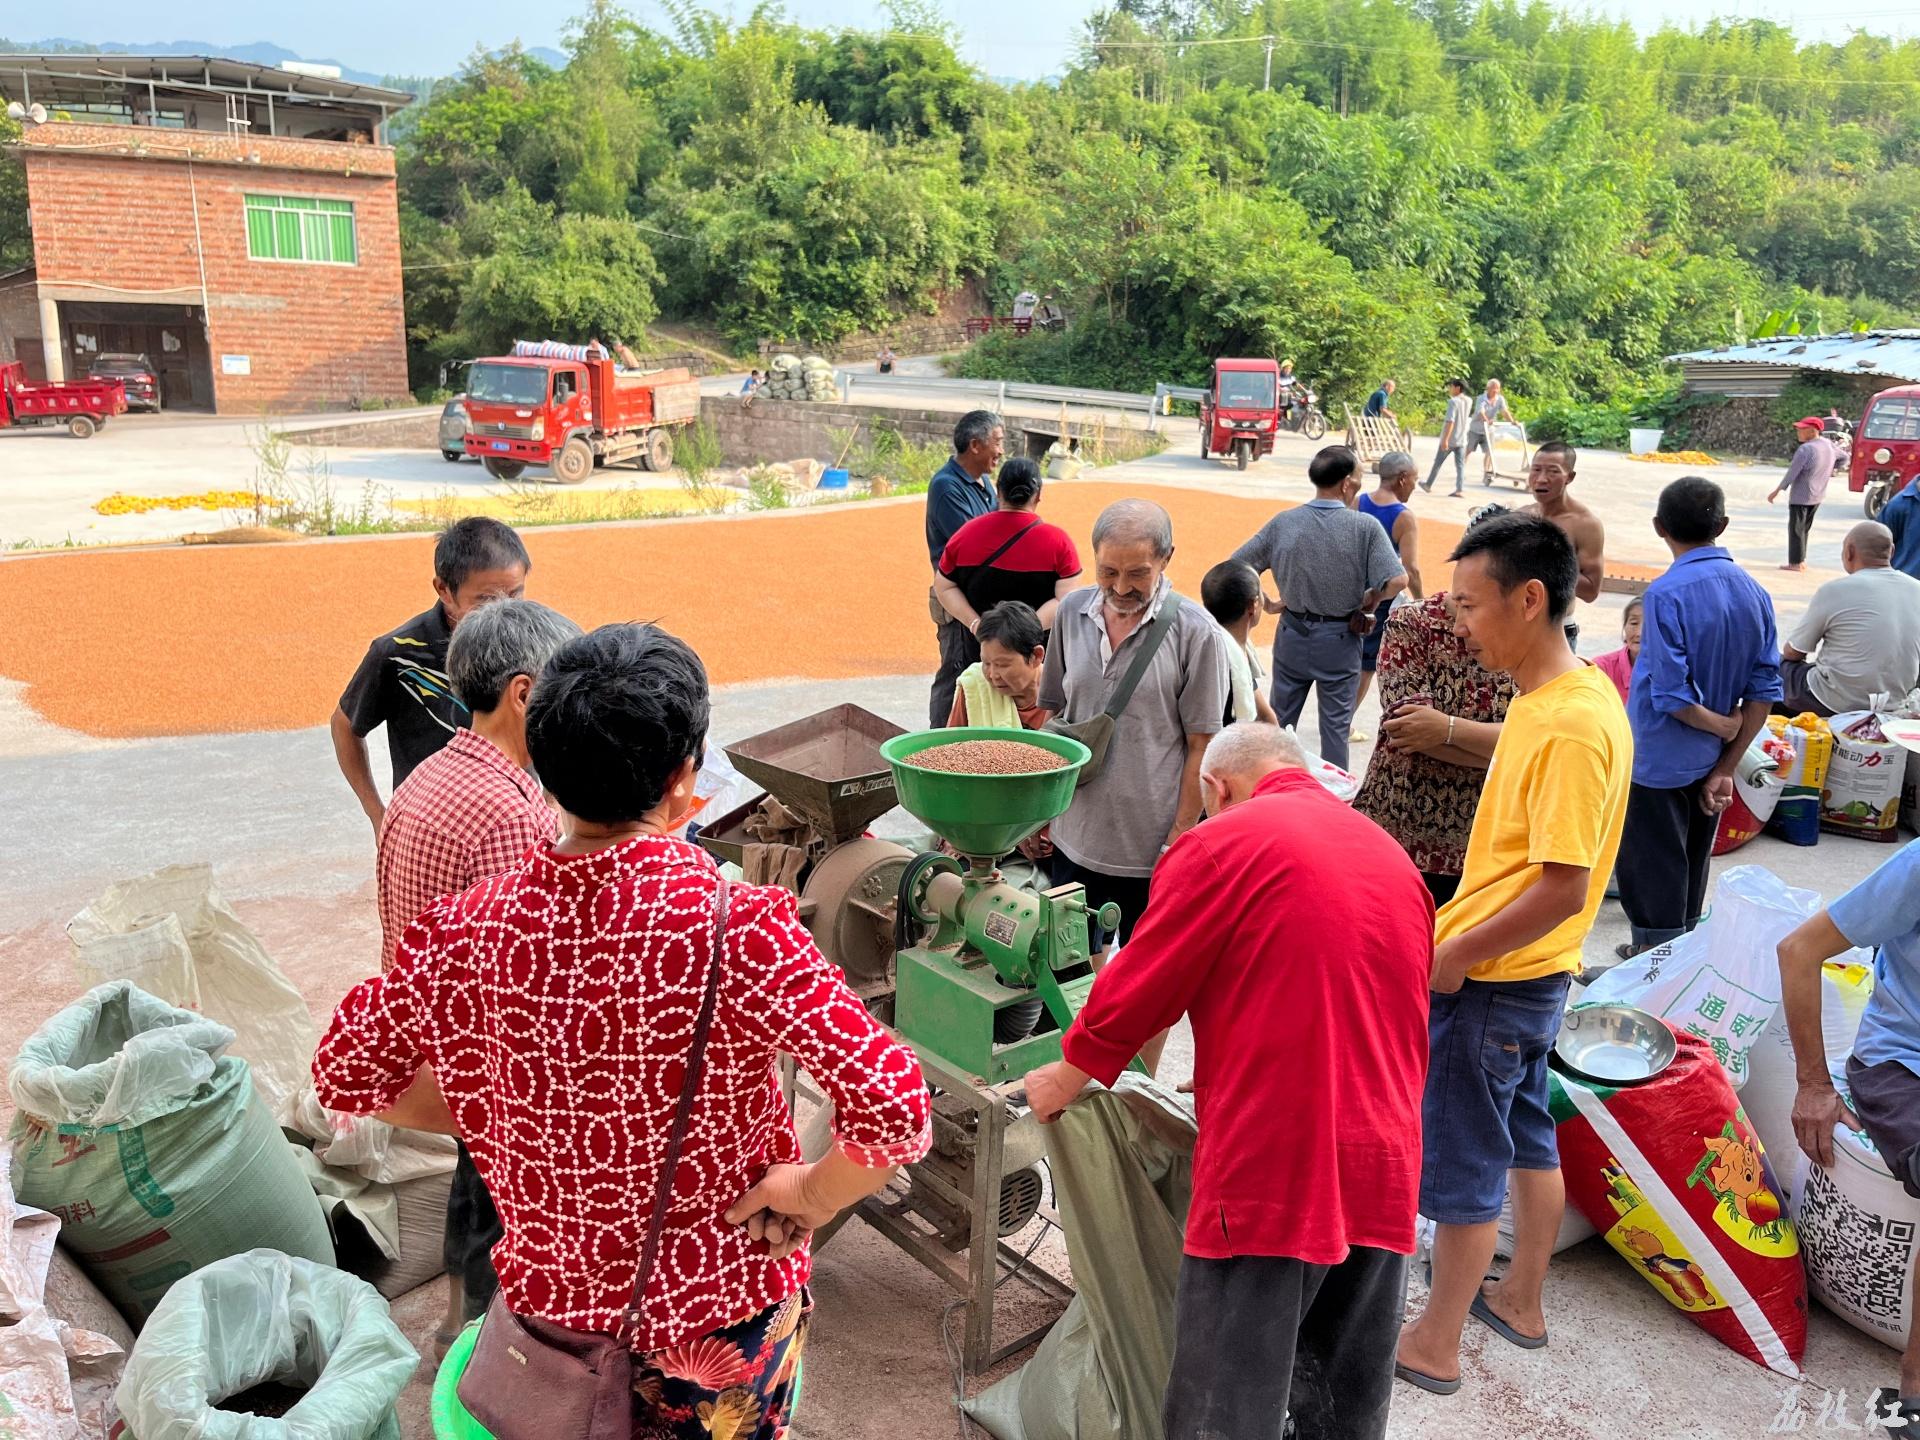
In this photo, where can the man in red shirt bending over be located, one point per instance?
(1308, 997)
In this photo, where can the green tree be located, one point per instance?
(554, 276)
(16, 235)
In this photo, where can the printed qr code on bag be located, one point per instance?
(1851, 1255)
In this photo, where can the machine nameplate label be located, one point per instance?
(865, 787)
(1001, 929)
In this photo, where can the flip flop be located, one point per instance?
(1887, 1402)
(1483, 1312)
(1425, 1382)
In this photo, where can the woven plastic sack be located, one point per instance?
(172, 934)
(262, 1318)
(62, 1346)
(1861, 794)
(1722, 981)
(1859, 1229)
(1846, 984)
(1674, 1177)
(1122, 1164)
(1796, 815)
(152, 1146)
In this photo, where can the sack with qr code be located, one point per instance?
(1858, 1229)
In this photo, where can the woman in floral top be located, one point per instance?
(546, 1017)
(1443, 716)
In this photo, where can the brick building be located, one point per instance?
(236, 224)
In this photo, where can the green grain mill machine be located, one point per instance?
(980, 971)
(988, 975)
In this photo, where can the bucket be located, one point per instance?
(1796, 819)
(1643, 442)
(833, 479)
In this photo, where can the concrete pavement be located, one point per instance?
(291, 850)
(293, 853)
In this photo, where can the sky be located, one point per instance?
(1021, 39)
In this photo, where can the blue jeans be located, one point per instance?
(1485, 1109)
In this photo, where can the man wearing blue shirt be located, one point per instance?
(1883, 1073)
(960, 490)
(1901, 515)
(1707, 675)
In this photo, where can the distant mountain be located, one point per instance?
(261, 52)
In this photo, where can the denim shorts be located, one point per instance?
(1485, 1110)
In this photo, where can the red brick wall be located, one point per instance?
(114, 207)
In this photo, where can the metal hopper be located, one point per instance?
(827, 769)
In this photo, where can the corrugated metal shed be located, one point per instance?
(1766, 367)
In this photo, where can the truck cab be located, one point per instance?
(512, 410)
(1886, 451)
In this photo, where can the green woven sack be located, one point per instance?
(152, 1148)
(264, 1318)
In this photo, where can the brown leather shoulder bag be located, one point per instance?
(530, 1379)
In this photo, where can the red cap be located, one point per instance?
(1813, 421)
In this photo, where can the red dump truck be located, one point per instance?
(83, 406)
(573, 414)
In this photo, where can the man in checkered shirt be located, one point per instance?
(467, 813)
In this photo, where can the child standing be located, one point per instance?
(1231, 593)
(402, 681)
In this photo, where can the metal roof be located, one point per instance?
(1892, 354)
(94, 78)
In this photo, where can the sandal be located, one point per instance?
(1427, 1383)
(1483, 1312)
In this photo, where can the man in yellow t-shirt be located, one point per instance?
(1509, 942)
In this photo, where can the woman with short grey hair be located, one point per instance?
(500, 642)
(467, 814)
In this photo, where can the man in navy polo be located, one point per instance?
(960, 490)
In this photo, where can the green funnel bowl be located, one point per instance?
(985, 815)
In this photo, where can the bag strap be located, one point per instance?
(683, 1112)
(1149, 647)
(1008, 544)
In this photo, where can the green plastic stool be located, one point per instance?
(451, 1420)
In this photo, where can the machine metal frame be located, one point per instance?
(975, 1277)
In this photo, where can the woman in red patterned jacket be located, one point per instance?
(546, 1016)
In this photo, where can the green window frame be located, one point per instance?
(301, 228)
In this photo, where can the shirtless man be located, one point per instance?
(1549, 477)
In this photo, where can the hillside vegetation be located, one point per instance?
(1383, 188)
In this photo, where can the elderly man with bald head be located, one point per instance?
(1307, 991)
(1860, 636)
(1130, 647)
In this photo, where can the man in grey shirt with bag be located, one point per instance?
(1129, 647)
(1333, 567)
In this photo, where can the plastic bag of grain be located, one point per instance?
(262, 1346)
(149, 1142)
(172, 934)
